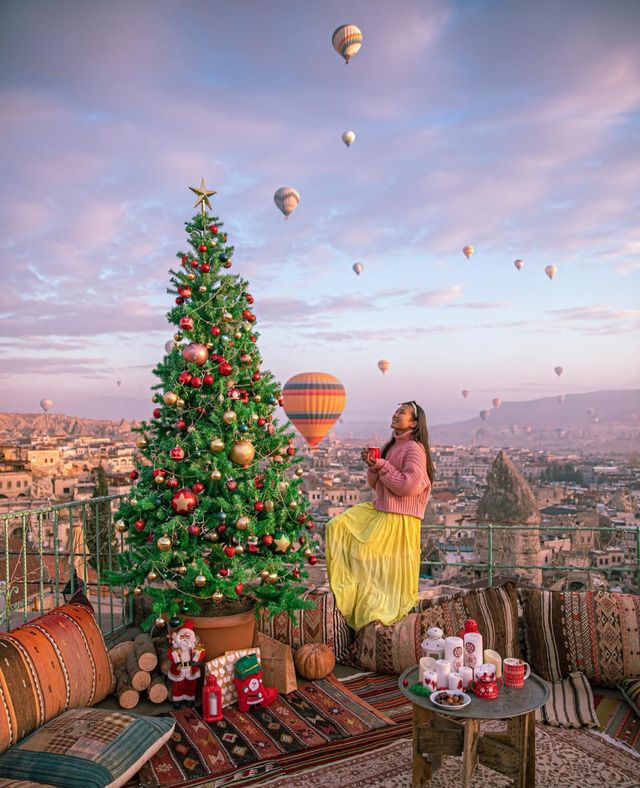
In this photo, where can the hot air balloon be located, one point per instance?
(383, 365)
(496, 403)
(349, 137)
(465, 393)
(467, 251)
(119, 383)
(347, 40)
(46, 404)
(560, 398)
(551, 271)
(358, 268)
(287, 199)
(484, 415)
(519, 264)
(558, 370)
(168, 346)
(528, 429)
(513, 428)
(313, 402)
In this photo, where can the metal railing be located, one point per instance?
(50, 552)
(500, 545)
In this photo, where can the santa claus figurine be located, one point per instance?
(186, 656)
(248, 680)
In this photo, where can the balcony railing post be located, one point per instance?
(638, 558)
(490, 556)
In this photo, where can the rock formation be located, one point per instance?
(508, 500)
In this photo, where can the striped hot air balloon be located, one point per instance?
(347, 40)
(313, 402)
(287, 199)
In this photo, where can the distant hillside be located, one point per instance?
(599, 420)
(15, 426)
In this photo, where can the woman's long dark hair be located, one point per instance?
(420, 434)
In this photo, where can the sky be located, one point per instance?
(512, 126)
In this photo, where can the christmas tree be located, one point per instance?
(216, 513)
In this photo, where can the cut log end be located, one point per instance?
(157, 691)
(128, 697)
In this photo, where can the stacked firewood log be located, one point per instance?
(140, 665)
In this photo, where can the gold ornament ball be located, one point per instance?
(178, 337)
(195, 353)
(230, 383)
(202, 289)
(264, 574)
(180, 404)
(217, 596)
(191, 428)
(141, 444)
(239, 549)
(126, 593)
(152, 576)
(257, 398)
(160, 622)
(238, 335)
(229, 416)
(200, 581)
(164, 543)
(246, 326)
(216, 475)
(292, 504)
(299, 472)
(181, 570)
(212, 536)
(121, 527)
(272, 578)
(170, 398)
(308, 552)
(209, 346)
(191, 277)
(160, 479)
(137, 591)
(227, 317)
(268, 505)
(242, 523)
(216, 445)
(242, 453)
(283, 486)
(254, 417)
(220, 398)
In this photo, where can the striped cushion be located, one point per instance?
(87, 748)
(570, 704)
(56, 662)
(630, 688)
(597, 633)
(323, 623)
(392, 649)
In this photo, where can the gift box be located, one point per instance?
(223, 669)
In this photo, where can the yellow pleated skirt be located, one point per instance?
(373, 563)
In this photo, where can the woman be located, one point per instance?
(373, 549)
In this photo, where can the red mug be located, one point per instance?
(373, 453)
(514, 672)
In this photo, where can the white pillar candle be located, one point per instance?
(467, 676)
(430, 680)
(455, 681)
(453, 652)
(492, 657)
(426, 663)
(443, 668)
(473, 649)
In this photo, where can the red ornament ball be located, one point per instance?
(255, 376)
(225, 369)
(134, 475)
(258, 506)
(181, 424)
(213, 228)
(313, 560)
(179, 300)
(194, 263)
(249, 298)
(208, 379)
(224, 572)
(310, 525)
(184, 260)
(216, 331)
(205, 268)
(156, 413)
(261, 422)
(302, 519)
(267, 539)
(139, 525)
(202, 248)
(184, 377)
(232, 485)
(194, 530)
(184, 501)
(239, 589)
(196, 382)
(291, 450)
(230, 551)
(157, 472)
(196, 353)
(186, 323)
(172, 482)
(198, 487)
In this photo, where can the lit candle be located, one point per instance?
(467, 676)
(492, 657)
(426, 663)
(443, 668)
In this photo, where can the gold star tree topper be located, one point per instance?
(203, 195)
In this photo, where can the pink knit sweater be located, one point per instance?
(400, 481)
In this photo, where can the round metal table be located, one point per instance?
(438, 732)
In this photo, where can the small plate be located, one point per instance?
(435, 696)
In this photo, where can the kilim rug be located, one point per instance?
(244, 749)
(618, 720)
(564, 759)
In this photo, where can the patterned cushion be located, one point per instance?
(394, 648)
(597, 633)
(570, 704)
(323, 623)
(87, 748)
(630, 688)
(56, 662)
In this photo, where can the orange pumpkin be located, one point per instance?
(314, 660)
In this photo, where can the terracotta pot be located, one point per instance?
(225, 633)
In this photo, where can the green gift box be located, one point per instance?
(247, 666)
